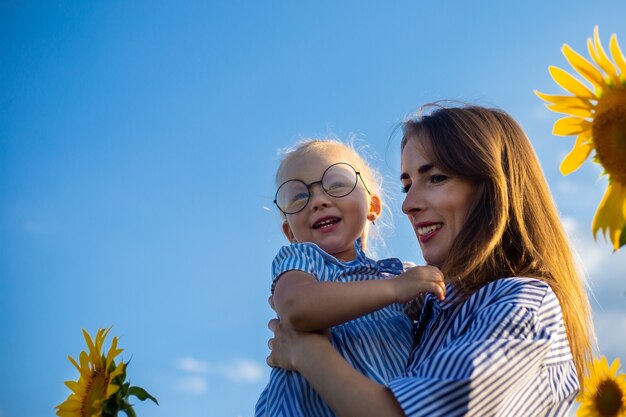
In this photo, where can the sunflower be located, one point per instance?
(604, 393)
(96, 381)
(597, 116)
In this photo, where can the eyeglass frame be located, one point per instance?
(320, 182)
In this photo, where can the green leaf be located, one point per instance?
(128, 409)
(142, 394)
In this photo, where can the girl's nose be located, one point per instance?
(319, 198)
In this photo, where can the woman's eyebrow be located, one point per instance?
(425, 168)
(421, 170)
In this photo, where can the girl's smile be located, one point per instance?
(332, 223)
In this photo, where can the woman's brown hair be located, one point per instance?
(513, 229)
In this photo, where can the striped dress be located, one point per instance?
(501, 352)
(377, 344)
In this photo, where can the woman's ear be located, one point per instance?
(288, 233)
(376, 207)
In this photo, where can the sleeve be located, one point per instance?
(486, 369)
(295, 257)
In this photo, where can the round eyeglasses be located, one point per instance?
(338, 181)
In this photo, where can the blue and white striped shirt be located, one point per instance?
(377, 344)
(501, 352)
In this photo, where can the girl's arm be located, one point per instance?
(306, 304)
(346, 391)
(512, 358)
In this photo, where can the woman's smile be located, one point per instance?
(437, 203)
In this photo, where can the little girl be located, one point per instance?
(323, 279)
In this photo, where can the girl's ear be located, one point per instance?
(376, 207)
(288, 233)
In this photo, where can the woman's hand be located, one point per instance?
(288, 346)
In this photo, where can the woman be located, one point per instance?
(513, 336)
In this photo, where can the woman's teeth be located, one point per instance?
(428, 229)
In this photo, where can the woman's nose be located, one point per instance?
(412, 202)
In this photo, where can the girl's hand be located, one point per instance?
(419, 279)
(288, 346)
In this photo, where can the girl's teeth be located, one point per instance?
(325, 223)
(425, 230)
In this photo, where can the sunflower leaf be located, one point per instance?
(142, 394)
(128, 409)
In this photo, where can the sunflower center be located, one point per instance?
(609, 132)
(96, 392)
(608, 399)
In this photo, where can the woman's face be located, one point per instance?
(437, 202)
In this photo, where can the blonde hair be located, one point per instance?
(370, 175)
(514, 228)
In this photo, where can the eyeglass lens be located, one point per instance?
(338, 181)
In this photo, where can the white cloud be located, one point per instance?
(237, 370)
(194, 385)
(243, 370)
(601, 266)
(611, 328)
(590, 255)
(607, 280)
(189, 364)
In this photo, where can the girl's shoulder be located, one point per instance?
(306, 250)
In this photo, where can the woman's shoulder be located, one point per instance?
(531, 293)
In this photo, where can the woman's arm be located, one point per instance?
(504, 352)
(306, 304)
(347, 391)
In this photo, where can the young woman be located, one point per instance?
(513, 336)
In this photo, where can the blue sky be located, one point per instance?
(138, 144)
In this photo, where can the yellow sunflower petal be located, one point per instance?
(64, 413)
(90, 344)
(600, 57)
(577, 155)
(570, 100)
(569, 83)
(84, 372)
(84, 362)
(567, 126)
(118, 370)
(609, 217)
(77, 387)
(112, 389)
(113, 352)
(618, 56)
(578, 111)
(582, 66)
(70, 405)
(614, 366)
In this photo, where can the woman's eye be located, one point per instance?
(436, 179)
(405, 188)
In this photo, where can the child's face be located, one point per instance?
(331, 223)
